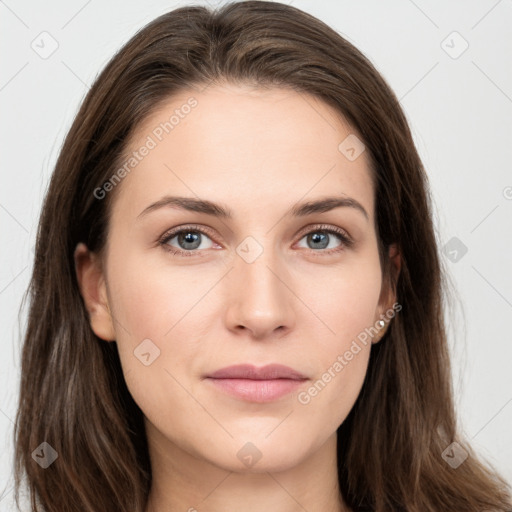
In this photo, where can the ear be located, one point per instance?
(93, 288)
(388, 292)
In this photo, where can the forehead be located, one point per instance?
(243, 146)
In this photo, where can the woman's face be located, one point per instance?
(270, 283)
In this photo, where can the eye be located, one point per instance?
(188, 239)
(320, 240)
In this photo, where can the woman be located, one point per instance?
(236, 300)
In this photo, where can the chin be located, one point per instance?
(260, 455)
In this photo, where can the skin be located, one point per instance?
(258, 152)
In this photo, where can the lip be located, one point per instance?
(249, 371)
(253, 384)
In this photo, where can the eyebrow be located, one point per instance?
(210, 208)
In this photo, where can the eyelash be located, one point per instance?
(346, 241)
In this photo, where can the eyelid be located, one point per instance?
(171, 233)
(324, 227)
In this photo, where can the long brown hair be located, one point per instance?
(73, 394)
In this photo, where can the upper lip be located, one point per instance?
(249, 371)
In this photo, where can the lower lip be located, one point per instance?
(257, 390)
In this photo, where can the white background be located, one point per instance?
(459, 109)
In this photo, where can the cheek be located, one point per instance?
(148, 297)
(150, 305)
(344, 300)
(158, 312)
(346, 307)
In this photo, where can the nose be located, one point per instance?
(259, 298)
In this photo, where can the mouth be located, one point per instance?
(266, 384)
